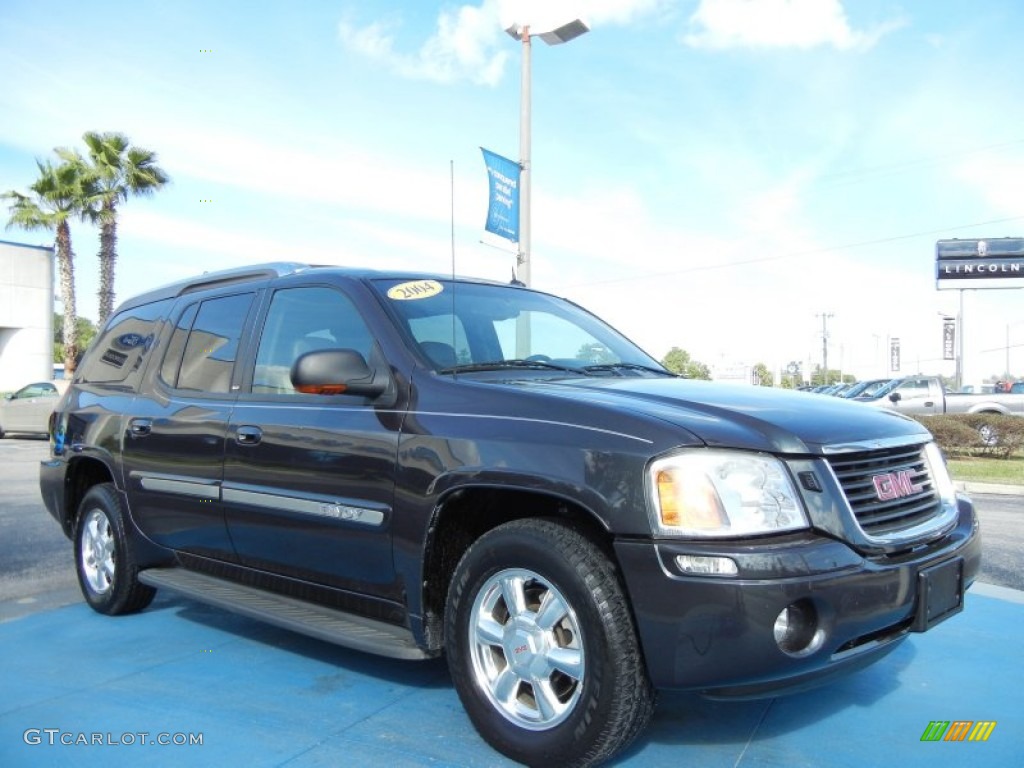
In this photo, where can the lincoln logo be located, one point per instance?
(895, 485)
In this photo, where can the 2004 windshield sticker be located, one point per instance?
(416, 289)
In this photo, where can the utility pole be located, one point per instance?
(825, 316)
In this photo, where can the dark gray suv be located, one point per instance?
(414, 466)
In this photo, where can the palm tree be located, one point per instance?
(121, 171)
(60, 193)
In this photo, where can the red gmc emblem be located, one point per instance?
(895, 485)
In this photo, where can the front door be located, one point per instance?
(309, 479)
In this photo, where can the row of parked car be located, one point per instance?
(926, 395)
(867, 388)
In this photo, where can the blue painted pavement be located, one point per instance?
(260, 696)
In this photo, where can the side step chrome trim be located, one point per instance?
(331, 625)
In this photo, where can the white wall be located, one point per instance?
(26, 314)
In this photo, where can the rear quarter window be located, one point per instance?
(117, 357)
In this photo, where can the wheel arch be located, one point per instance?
(83, 473)
(465, 514)
(990, 409)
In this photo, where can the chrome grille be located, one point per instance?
(856, 473)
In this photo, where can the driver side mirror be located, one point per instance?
(895, 397)
(337, 372)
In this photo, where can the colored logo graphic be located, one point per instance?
(958, 730)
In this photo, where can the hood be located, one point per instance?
(736, 416)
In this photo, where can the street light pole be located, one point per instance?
(556, 36)
(525, 101)
(960, 344)
(824, 345)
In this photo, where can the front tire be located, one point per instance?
(542, 647)
(104, 561)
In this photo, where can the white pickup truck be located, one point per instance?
(925, 395)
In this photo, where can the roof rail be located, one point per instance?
(239, 274)
(211, 279)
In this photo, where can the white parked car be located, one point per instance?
(29, 409)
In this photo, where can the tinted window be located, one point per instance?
(211, 347)
(117, 356)
(302, 320)
(176, 346)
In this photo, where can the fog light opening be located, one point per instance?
(796, 629)
(707, 566)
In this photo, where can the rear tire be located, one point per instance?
(106, 566)
(542, 647)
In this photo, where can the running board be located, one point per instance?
(317, 621)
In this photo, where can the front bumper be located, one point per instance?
(716, 633)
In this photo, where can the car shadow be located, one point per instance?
(429, 673)
(686, 718)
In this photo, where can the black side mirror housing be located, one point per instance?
(895, 397)
(337, 372)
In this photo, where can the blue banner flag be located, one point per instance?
(503, 202)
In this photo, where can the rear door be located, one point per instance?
(174, 434)
(309, 479)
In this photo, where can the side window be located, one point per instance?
(208, 353)
(302, 320)
(116, 357)
(35, 390)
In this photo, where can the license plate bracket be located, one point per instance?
(940, 594)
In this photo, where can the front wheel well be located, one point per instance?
(468, 514)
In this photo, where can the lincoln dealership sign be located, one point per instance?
(993, 263)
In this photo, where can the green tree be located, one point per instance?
(85, 329)
(120, 171)
(679, 361)
(59, 194)
(831, 376)
(763, 376)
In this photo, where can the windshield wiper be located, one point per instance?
(616, 367)
(497, 365)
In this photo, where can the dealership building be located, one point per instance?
(26, 314)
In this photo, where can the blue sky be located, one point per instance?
(709, 174)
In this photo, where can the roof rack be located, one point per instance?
(239, 274)
(206, 280)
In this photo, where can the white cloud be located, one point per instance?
(548, 14)
(463, 47)
(469, 42)
(721, 24)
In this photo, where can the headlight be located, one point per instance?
(713, 493)
(940, 474)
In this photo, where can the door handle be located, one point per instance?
(248, 435)
(140, 427)
(928, 404)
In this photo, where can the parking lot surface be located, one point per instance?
(77, 688)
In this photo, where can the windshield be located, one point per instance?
(865, 388)
(463, 326)
(885, 389)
